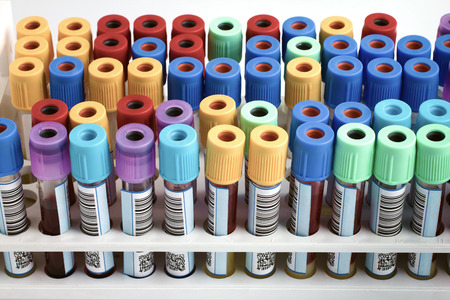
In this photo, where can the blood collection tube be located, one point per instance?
(76, 27)
(441, 55)
(375, 46)
(77, 47)
(337, 45)
(225, 38)
(151, 47)
(36, 26)
(136, 109)
(174, 112)
(187, 45)
(391, 112)
(333, 26)
(150, 26)
(411, 46)
(263, 80)
(431, 173)
(446, 88)
(135, 159)
(189, 24)
(179, 167)
(34, 46)
(296, 26)
(262, 45)
(433, 111)
(223, 76)
(13, 215)
(266, 169)
(302, 46)
(115, 24)
(223, 169)
(311, 165)
(397, 145)
(380, 23)
(50, 164)
(444, 25)
(91, 165)
(263, 25)
(112, 45)
(352, 167)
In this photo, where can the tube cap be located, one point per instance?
(395, 152)
(112, 45)
(78, 27)
(441, 56)
(263, 25)
(106, 82)
(383, 81)
(67, 80)
(191, 24)
(174, 112)
(150, 26)
(178, 154)
(343, 82)
(77, 47)
(135, 153)
(444, 25)
(145, 78)
(216, 110)
(303, 81)
(223, 76)
(262, 45)
(420, 81)
(446, 89)
(313, 154)
(337, 45)
(151, 47)
(267, 155)
(263, 80)
(10, 148)
(50, 110)
(375, 46)
(136, 109)
(224, 154)
(353, 153)
(335, 25)
(433, 154)
(391, 112)
(411, 46)
(225, 38)
(297, 26)
(302, 46)
(89, 154)
(379, 23)
(433, 111)
(49, 151)
(114, 24)
(190, 45)
(305, 112)
(34, 46)
(254, 114)
(350, 112)
(27, 82)
(36, 26)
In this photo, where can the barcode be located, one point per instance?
(13, 208)
(390, 211)
(88, 212)
(179, 211)
(265, 261)
(418, 210)
(293, 191)
(247, 182)
(266, 206)
(94, 210)
(337, 208)
(143, 209)
(293, 202)
(211, 210)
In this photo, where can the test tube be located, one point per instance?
(296, 26)
(263, 80)
(150, 26)
(36, 26)
(352, 167)
(263, 25)
(179, 167)
(335, 25)
(411, 46)
(380, 23)
(311, 165)
(151, 47)
(135, 158)
(223, 170)
(302, 46)
(431, 173)
(34, 46)
(262, 45)
(91, 165)
(188, 24)
(50, 164)
(136, 109)
(13, 215)
(77, 47)
(115, 24)
(187, 45)
(397, 145)
(391, 112)
(337, 45)
(266, 169)
(225, 38)
(76, 27)
(223, 76)
(173, 112)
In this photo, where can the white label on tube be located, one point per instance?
(218, 200)
(381, 264)
(99, 262)
(69, 262)
(216, 263)
(339, 262)
(426, 207)
(260, 263)
(179, 264)
(301, 208)
(13, 216)
(138, 264)
(137, 211)
(297, 262)
(344, 207)
(419, 264)
(62, 205)
(179, 211)
(94, 209)
(18, 263)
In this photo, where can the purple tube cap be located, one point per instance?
(444, 25)
(135, 153)
(49, 151)
(174, 112)
(446, 91)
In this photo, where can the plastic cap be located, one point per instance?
(34, 46)
(36, 26)
(112, 45)
(49, 151)
(383, 81)
(89, 154)
(174, 112)
(444, 25)
(343, 82)
(150, 26)
(379, 23)
(446, 89)
(303, 81)
(420, 81)
(333, 26)
(411, 46)
(178, 154)
(263, 80)
(391, 112)
(190, 45)
(50, 110)
(353, 153)
(302, 46)
(441, 56)
(375, 46)
(305, 112)
(77, 47)
(151, 47)
(27, 82)
(262, 46)
(145, 78)
(267, 155)
(337, 45)
(297, 26)
(263, 25)
(225, 38)
(135, 153)
(106, 82)
(78, 27)
(350, 112)
(223, 76)
(433, 111)
(114, 24)
(216, 110)
(136, 109)
(10, 148)
(189, 24)
(224, 154)
(433, 154)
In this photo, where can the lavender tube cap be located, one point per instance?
(174, 112)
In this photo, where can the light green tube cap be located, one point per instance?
(225, 39)
(302, 46)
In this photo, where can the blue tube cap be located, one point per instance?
(262, 46)
(178, 154)
(67, 80)
(223, 77)
(151, 47)
(433, 111)
(305, 112)
(375, 46)
(343, 82)
(411, 46)
(350, 112)
(441, 56)
(90, 159)
(263, 80)
(391, 112)
(313, 151)
(337, 45)
(10, 148)
(297, 26)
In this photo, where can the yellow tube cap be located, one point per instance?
(34, 46)
(267, 155)
(333, 26)
(216, 110)
(303, 81)
(36, 26)
(106, 82)
(224, 154)
(78, 27)
(27, 82)
(77, 47)
(145, 77)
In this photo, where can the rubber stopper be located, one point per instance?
(297, 26)
(225, 38)
(444, 25)
(50, 110)
(262, 46)
(145, 78)
(112, 45)
(337, 45)
(189, 45)
(174, 112)
(380, 23)
(433, 111)
(223, 76)
(263, 25)
(136, 109)
(190, 24)
(10, 148)
(77, 47)
(115, 24)
(263, 80)
(151, 47)
(375, 46)
(302, 46)
(441, 56)
(36, 26)
(411, 46)
(150, 26)
(333, 26)
(391, 112)
(34, 46)
(350, 112)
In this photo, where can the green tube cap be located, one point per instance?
(254, 114)
(225, 39)
(395, 154)
(353, 154)
(433, 154)
(302, 46)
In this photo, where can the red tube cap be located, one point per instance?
(50, 110)
(189, 45)
(136, 109)
(189, 24)
(150, 26)
(114, 24)
(112, 45)
(380, 23)
(263, 25)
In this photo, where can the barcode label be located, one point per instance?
(381, 264)
(98, 262)
(260, 263)
(62, 206)
(344, 207)
(18, 262)
(247, 181)
(138, 264)
(218, 200)
(420, 264)
(297, 262)
(94, 209)
(137, 211)
(386, 210)
(13, 216)
(263, 209)
(426, 207)
(292, 191)
(179, 211)
(339, 262)
(69, 262)
(301, 208)
(216, 263)
(179, 264)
